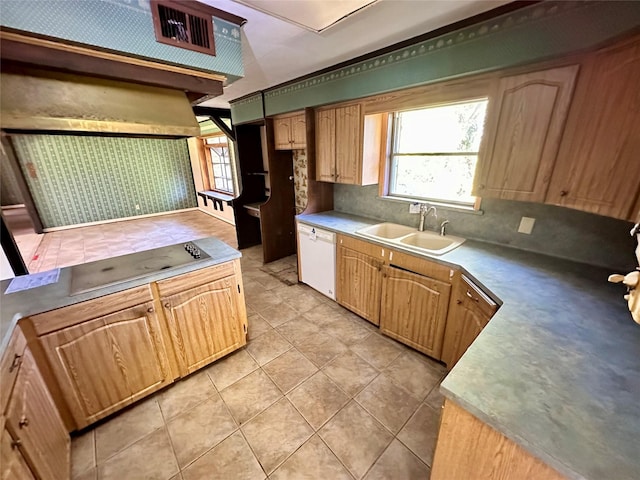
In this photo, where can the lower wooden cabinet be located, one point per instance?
(471, 310)
(359, 277)
(35, 429)
(414, 309)
(205, 322)
(106, 363)
(14, 466)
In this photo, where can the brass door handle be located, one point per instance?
(17, 360)
(150, 310)
(167, 305)
(16, 443)
(24, 422)
(472, 297)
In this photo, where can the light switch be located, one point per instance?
(414, 208)
(526, 225)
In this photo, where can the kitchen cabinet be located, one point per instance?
(206, 314)
(14, 466)
(35, 428)
(104, 362)
(525, 120)
(414, 309)
(290, 132)
(597, 168)
(10, 364)
(359, 277)
(470, 311)
(348, 145)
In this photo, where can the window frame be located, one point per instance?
(209, 165)
(387, 173)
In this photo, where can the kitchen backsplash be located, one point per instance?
(80, 179)
(558, 231)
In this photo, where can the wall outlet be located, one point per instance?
(526, 225)
(414, 208)
(137, 207)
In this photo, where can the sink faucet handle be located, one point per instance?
(443, 228)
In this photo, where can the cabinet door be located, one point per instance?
(326, 145)
(106, 363)
(12, 464)
(298, 132)
(349, 131)
(598, 169)
(282, 133)
(414, 309)
(359, 280)
(525, 121)
(205, 323)
(470, 312)
(33, 419)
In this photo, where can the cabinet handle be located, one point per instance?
(459, 302)
(150, 309)
(24, 422)
(472, 297)
(17, 360)
(564, 193)
(16, 443)
(167, 305)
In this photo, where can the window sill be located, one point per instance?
(439, 205)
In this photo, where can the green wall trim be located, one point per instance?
(247, 109)
(81, 179)
(530, 34)
(122, 25)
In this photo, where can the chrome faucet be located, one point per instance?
(425, 210)
(443, 228)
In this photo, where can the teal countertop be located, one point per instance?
(14, 306)
(557, 369)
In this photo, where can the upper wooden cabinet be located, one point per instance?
(524, 125)
(348, 145)
(414, 309)
(598, 168)
(36, 427)
(470, 311)
(359, 277)
(104, 363)
(290, 132)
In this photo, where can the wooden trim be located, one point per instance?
(104, 55)
(469, 448)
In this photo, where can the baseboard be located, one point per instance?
(114, 220)
(226, 220)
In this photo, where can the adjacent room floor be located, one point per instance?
(317, 393)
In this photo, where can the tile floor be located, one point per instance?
(317, 393)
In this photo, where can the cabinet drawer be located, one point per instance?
(421, 265)
(362, 246)
(10, 364)
(13, 464)
(198, 277)
(483, 302)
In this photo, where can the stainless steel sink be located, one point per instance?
(410, 238)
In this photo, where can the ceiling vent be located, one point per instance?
(178, 25)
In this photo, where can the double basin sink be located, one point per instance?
(424, 242)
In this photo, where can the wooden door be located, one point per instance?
(349, 131)
(298, 132)
(525, 121)
(282, 133)
(470, 312)
(359, 281)
(205, 323)
(33, 419)
(598, 168)
(12, 463)
(326, 145)
(106, 363)
(414, 309)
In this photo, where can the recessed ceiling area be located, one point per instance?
(314, 15)
(276, 51)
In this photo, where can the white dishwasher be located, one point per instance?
(318, 259)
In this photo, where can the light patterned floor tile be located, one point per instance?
(312, 461)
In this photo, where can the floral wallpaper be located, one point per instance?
(81, 179)
(300, 179)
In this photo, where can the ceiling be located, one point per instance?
(276, 50)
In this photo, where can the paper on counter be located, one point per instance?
(27, 282)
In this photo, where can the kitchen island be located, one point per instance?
(557, 369)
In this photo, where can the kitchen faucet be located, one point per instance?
(443, 228)
(425, 210)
